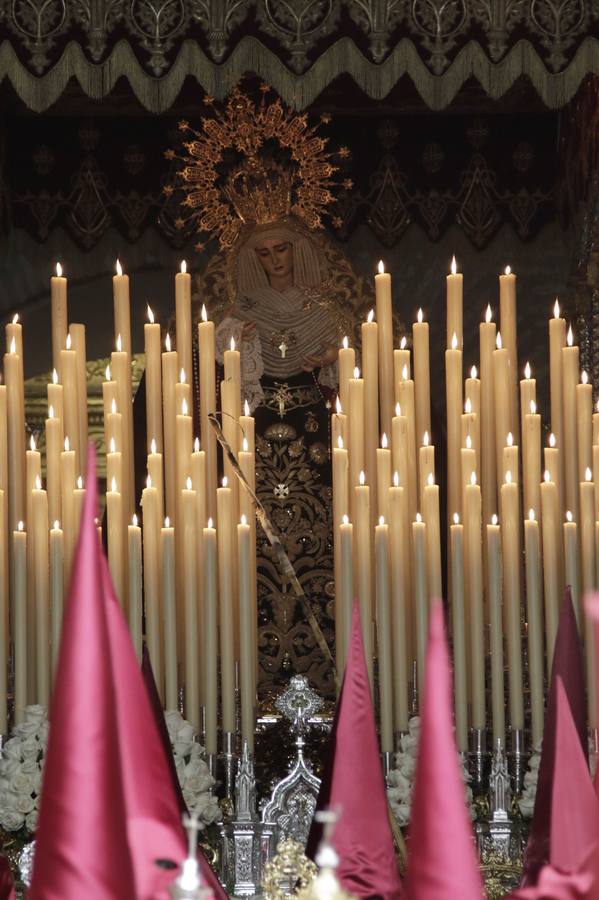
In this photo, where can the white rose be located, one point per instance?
(21, 783)
(182, 748)
(185, 732)
(9, 800)
(36, 713)
(27, 729)
(25, 803)
(527, 806)
(196, 751)
(400, 783)
(9, 766)
(37, 782)
(30, 748)
(30, 766)
(414, 726)
(407, 766)
(12, 749)
(43, 733)
(208, 810)
(174, 720)
(196, 767)
(31, 820)
(11, 820)
(198, 783)
(180, 767)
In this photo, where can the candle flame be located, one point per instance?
(418, 517)
(468, 406)
(183, 267)
(588, 475)
(232, 342)
(384, 441)
(419, 316)
(552, 440)
(188, 483)
(345, 343)
(59, 270)
(473, 372)
(570, 337)
(182, 376)
(183, 407)
(356, 372)
(510, 439)
(38, 483)
(370, 317)
(494, 519)
(454, 266)
(119, 268)
(584, 377)
(338, 408)
(150, 315)
(167, 522)
(113, 484)
(569, 516)
(79, 483)
(597, 406)
(508, 477)
(498, 341)
(196, 445)
(119, 343)
(204, 314)
(425, 439)
(54, 376)
(454, 341)
(149, 481)
(456, 519)
(15, 319)
(533, 407)
(404, 373)
(13, 345)
(50, 412)
(547, 475)
(32, 443)
(107, 373)
(244, 445)
(67, 445)
(556, 309)
(153, 445)
(398, 409)
(468, 442)
(345, 519)
(56, 525)
(403, 343)
(362, 478)
(210, 522)
(112, 445)
(246, 407)
(430, 479)
(20, 525)
(508, 270)
(167, 343)
(396, 479)
(69, 341)
(473, 478)
(488, 314)
(381, 520)
(134, 519)
(225, 481)
(381, 267)
(527, 371)
(531, 515)
(243, 520)
(113, 406)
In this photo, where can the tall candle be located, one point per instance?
(508, 325)
(531, 457)
(420, 596)
(114, 519)
(401, 613)
(496, 631)
(153, 374)
(557, 340)
(77, 333)
(384, 317)
(406, 400)
(511, 458)
(528, 392)
(553, 464)
(169, 414)
(458, 630)
(535, 624)
(169, 606)
(363, 565)
(344, 596)
(455, 315)
(501, 398)
(383, 623)
(584, 419)
(570, 369)
(340, 509)
(41, 572)
(155, 471)
(383, 467)
(474, 591)
(58, 299)
(552, 561)
(56, 588)
(588, 583)
(246, 659)
(422, 387)
(401, 366)
(226, 600)
(210, 637)
(67, 504)
(356, 428)
(68, 373)
(53, 447)
(152, 590)
(19, 550)
(183, 317)
(338, 424)
(454, 400)
(135, 585)
(370, 371)
(122, 308)
(4, 621)
(120, 362)
(208, 405)
(510, 528)
(15, 406)
(191, 573)
(430, 514)
(487, 416)
(346, 364)
(426, 464)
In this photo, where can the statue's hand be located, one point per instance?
(248, 331)
(327, 354)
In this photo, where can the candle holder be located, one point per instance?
(517, 755)
(414, 709)
(387, 760)
(243, 842)
(478, 752)
(228, 759)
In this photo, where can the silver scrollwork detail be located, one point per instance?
(298, 24)
(157, 23)
(38, 23)
(218, 18)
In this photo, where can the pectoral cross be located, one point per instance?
(283, 348)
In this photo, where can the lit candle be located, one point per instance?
(114, 521)
(56, 588)
(384, 317)
(210, 637)
(401, 366)
(472, 392)
(356, 428)
(528, 392)
(552, 456)
(4, 605)
(455, 402)
(198, 477)
(383, 624)
(122, 308)
(208, 405)
(401, 566)
(571, 561)
(183, 316)
(135, 585)
(41, 571)
(156, 474)
(78, 499)
(338, 424)
(458, 629)
(406, 401)
(531, 457)
(487, 416)
(67, 505)
(552, 561)
(588, 583)
(226, 600)
(570, 370)
(109, 397)
(496, 631)
(152, 591)
(58, 299)
(53, 445)
(120, 362)
(471, 429)
(426, 464)
(383, 468)
(344, 596)
(77, 333)
(169, 412)
(191, 574)
(422, 387)
(346, 365)
(370, 372)
(508, 325)
(340, 509)
(584, 419)
(184, 444)
(363, 565)
(455, 315)
(474, 593)
(510, 528)
(232, 374)
(19, 551)
(153, 381)
(467, 465)
(169, 605)
(14, 331)
(535, 624)
(15, 406)
(510, 457)
(501, 398)
(557, 340)
(420, 595)
(55, 400)
(246, 658)
(247, 424)
(430, 514)
(68, 372)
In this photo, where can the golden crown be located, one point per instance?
(232, 173)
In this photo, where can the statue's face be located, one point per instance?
(276, 258)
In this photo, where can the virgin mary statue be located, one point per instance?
(286, 294)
